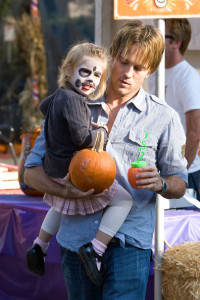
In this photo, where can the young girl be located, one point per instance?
(82, 76)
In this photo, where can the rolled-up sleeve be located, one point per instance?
(171, 160)
(37, 152)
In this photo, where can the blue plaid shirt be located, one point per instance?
(164, 143)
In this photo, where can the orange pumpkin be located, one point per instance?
(133, 171)
(93, 168)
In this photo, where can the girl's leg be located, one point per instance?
(35, 255)
(50, 225)
(114, 215)
(113, 218)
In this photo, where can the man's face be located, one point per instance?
(87, 76)
(168, 39)
(127, 74)
(170, 45)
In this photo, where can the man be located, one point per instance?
(130, 113)
(182, 92)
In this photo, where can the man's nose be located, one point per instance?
(129, 72)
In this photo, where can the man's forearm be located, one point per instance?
(39, 180)
(176, 187)
(191, 151)
(192, 135)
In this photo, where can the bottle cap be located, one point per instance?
(138, 164)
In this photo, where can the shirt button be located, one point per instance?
(96, 222)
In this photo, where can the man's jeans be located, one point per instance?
(126, 275)
(194, 182)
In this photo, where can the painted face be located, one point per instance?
(170, 46)
(87, 76)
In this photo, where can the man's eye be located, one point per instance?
(138, 68)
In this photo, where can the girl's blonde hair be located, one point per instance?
(76, 56)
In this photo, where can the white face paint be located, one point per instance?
(87, 75)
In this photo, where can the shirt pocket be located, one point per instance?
(137, 147)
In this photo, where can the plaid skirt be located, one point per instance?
(81, 206)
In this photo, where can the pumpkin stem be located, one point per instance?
(99, 142)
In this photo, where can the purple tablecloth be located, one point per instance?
(20, 220)
(181, 226)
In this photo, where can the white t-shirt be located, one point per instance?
(182, 92)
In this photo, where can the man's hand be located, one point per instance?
(39, 180)
(73, 192)
(176, 186)
(151, 181)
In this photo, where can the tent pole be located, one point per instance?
(160, 72)
(159, 229)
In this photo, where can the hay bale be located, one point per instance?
(181, 272)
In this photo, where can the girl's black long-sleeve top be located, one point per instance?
(67, 129)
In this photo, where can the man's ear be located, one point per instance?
(148, 74)
(176, 43)
(179, 42)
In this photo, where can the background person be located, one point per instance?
(129, 113)
(182, 92)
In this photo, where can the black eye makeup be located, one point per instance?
(83, 72)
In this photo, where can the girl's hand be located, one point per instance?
(95, 124)
(99, 126)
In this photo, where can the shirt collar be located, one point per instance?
(138, 101)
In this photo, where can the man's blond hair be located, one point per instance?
(147, 38)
